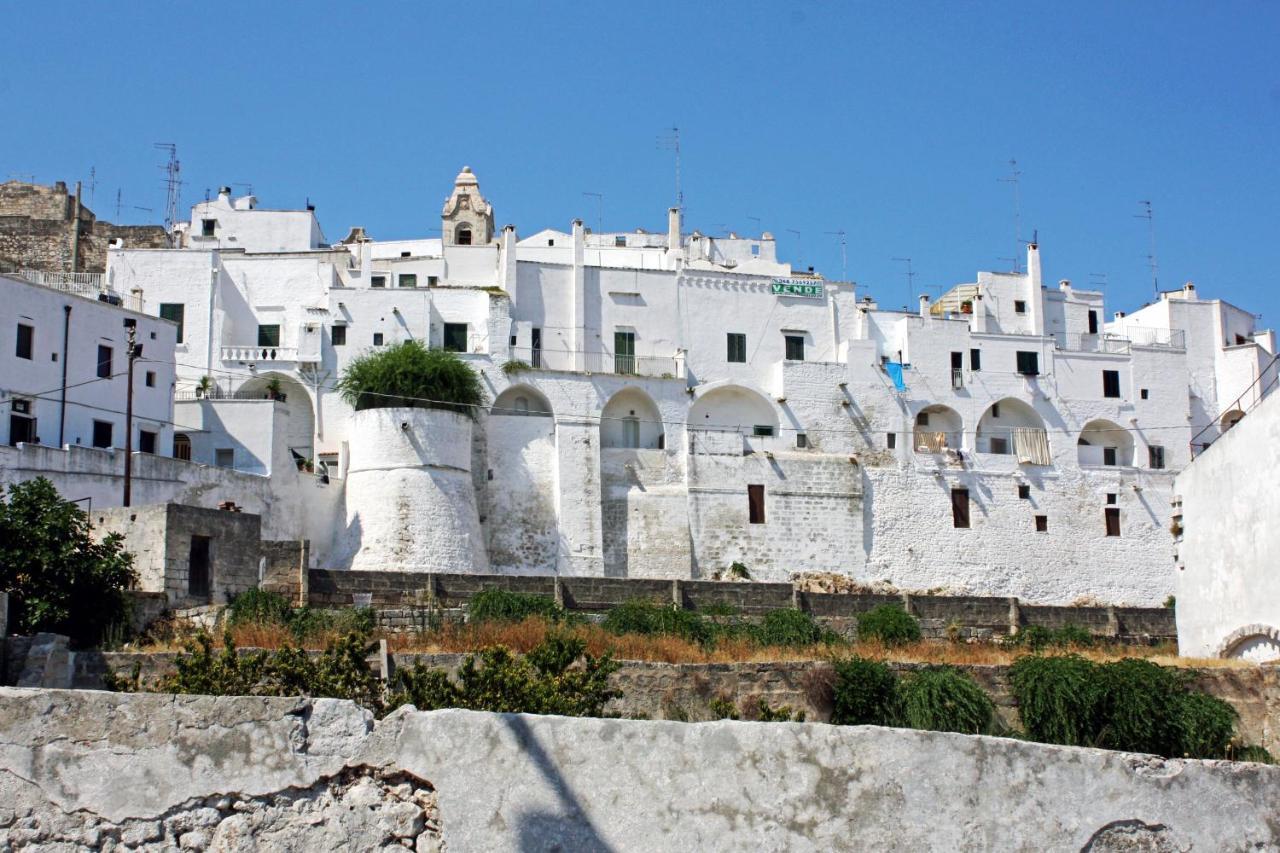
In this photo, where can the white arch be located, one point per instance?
(631, 420)
(733, 407)
(521, 400)
(1257, 643)
(300, 434)
(1104, 442)
(937, 428)
(995, 428)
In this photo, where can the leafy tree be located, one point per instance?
(58, 578)
(408, 374)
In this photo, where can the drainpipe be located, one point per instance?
(62, 404)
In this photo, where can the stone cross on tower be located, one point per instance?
(467, 219)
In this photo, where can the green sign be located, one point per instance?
(797, 287)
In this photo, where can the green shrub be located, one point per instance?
(1250, 753)
(548, 680)
(781, 714)
(58, 578)
(889, 624)
(740, 571)
(944, 699)
(792, 628)
(492, 604)
(1038, 638)
(259, 607)
(865, 693)
(1205, 725)
(1057, 698)
(638, 616)
(514, 367)
(1139, 707)
(723, 709)
(409, 374)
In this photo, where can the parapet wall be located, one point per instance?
(88, 770)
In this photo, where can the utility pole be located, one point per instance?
(134, 351)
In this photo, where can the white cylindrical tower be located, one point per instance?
(411, 504)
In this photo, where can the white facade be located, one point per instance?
(667, 404)
(1228, 592)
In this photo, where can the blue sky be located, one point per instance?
(892, 122)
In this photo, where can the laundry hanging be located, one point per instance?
(894, 369)
(1031, 447)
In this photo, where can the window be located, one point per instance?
(338, 335)
(957, 361)
(995, 410)
(1019, 307)
(269, 336)
(463, 235)
(1029, 363)
(176, 312)
(975, 359)
(755, 250)
(737, 347)
(377, 281)
(455, 337)
(198, 567)
(1144, 393)
(224, 457)
(1111, 497)
(620, 242)
(1155, 456)
(922, 419)
(432, 280)
(551, 242)
(102, 433)
(1093, 322)
(959, 507)
(1108, 456)
(624, 352)
(1000, 445)
(890, 440)
(182, 448)
(1024, 492)
(406, 254)
(151, 379)
(1042, 524)
(1112, 514)
(795, 347)
(760, 430)
(22, 427)
(377, 339)
(26, 341)
(104, 362)
(1111, 383)
(408, 280)
(535, 347)
(755, 504)
(146, 441)
(802, 440)
(207, 227)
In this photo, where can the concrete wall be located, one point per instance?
(1228, 592)
(84, 769)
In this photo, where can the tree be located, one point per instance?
(58, 578)
(410, 375)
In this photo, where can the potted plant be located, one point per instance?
(273, 389)
(203, 386)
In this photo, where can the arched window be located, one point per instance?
(462, 236)
(181, 447)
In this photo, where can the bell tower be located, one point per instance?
(467, 219)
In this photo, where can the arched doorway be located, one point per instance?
(631, 420)
(1104, 443)
(938, 428)
(1012, 426)
(299, 433)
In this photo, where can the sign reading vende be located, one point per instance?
(806, 288)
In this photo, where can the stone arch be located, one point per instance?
(631, 420)
(1257, 643)
(521, 401)
(733, 407)
(1230, 419)
(937, 428)
(1104, 442)
(299, 435)
(996, 426)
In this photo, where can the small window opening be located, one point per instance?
(1111, 383)
(1155, 454)
(207, 227)
(1113, 520)
(338, 336)
(762, 430)
(755, 504)
(1111, 497)
(1042, 524)
(1019, 307)
(1024, 492)
(1144, 393)
(959, 507)
(890, 440)
(795, 348)
(922, 419)
(377, 339)
(975, 359)
(802, 440)
(151, 379)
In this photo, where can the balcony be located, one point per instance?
(1120, 343)
(930, 441)
(91, 285)
(957, 379)
(259, 353)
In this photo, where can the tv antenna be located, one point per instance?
(911, 281)
(1098, 279)
(93, 183)
(599, 197)
(671, 142)
(1148, 215)
(844, 257)
(756, 220)
(1014, 178)
(798, 244)
(173, 185)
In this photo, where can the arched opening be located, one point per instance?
(938, 428)
(462, 235)
(1254, 643)
(181, 447)
(1230, 419)
(1012, 426)
(521, 401)
(631, 420)
(299, 434)
(734, 408)
(1104, 443)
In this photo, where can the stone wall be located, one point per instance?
(88, 770)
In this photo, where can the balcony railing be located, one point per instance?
(1121, 342)
(957, 378)
(630, 365)
(91, 285)
(931, 441)
(259, 353)
(1115, 344)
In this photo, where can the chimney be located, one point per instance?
(224, 194)
(1065, 285)
(1035, 285)
(1119, 315)
(1189, 291)
(924, 305)
(673, 229)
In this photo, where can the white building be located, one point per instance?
(667, 404)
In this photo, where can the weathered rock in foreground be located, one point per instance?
(89, 770)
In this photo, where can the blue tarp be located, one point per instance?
(894, 369)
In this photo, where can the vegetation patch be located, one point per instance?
(492, 604)
(945, 699)
(890, 625)
(408, 374)
(865, 693)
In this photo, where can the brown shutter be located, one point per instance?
(1113, 521)
(960, 507)
(755, 504)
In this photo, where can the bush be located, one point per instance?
(492, 604)
(1139, 707)
(865, 693)
(58, 578)
(1037, 638)
(792, 628)
(889, 624)
(409, 374)
(260, 607)
(545, 681)
(638, 616)
(1205, 725)
(944, 699)
(1057, 698)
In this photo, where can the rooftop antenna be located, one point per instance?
(844, 258)
(248, 187)
(173, 185)
(93, 183)
(119, 193)
(722, 227)
(798, 244)
(1014, 175)
(1151, 255)
(599, 197)
(671, 142)
(1098, 279)
(756, 220)
(23, 176)
(911, 281)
